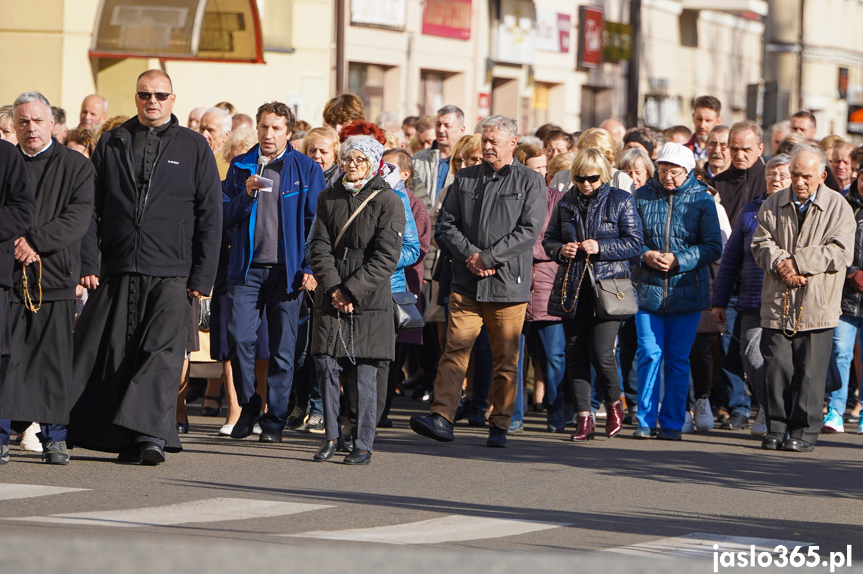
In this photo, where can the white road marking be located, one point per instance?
(196, 511)
(700, 545)
(435, 531)
(16, 491)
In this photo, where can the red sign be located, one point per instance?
(447, 18)
(483, 105)
(590, 28)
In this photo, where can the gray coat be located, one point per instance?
(360, 265)
(498, 215)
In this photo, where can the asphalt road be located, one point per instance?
(543, 504)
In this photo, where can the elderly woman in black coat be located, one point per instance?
(352, 261)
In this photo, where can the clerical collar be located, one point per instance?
(38, 153)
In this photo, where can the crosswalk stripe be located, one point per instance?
(435, 531)
(16, 491)
(209, 510)
(700, 545)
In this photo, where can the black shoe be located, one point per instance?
(151, 454)
(328, 448)
(735, 422)
(297, 419)
(55, 453)
(433, 426)
(772, 441)
(212, 411)
(496, 437)
(244, 425)
(476, 418)
(797, 445)
(385, 423)
(270, 436)
(130, 455)
(358, 457)
(182, 428)
(346, 446)
(668, 434)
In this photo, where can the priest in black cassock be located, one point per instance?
(157, 224)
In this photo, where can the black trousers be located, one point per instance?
(591, 340)
(701, 364)
(795, 370)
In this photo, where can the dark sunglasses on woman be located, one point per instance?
(591, 178)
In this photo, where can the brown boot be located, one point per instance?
(586, 429)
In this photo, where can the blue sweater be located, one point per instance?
(738, 261)
(682, 222)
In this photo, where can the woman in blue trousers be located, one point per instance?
(681, 238)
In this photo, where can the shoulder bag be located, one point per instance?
(614, 298)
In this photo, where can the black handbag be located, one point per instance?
(614, 298)
(405, 311)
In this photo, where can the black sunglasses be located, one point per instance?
(145, 96)
(591, 178)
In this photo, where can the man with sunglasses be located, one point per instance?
(157, 224)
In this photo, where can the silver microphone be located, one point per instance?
(262, 163)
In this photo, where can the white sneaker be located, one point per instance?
(226, 430)
(257, 429)
(687, 424)
(703, 415)
(759, 425)
(29, 441)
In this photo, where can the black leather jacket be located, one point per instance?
(852, 300)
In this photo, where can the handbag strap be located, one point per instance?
(354, 216)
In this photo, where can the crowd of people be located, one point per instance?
(672, 281)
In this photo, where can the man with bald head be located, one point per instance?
(616, 128)
(195, 118)
(804, 242)
(94, 112)
(215, 126)
(157, 224)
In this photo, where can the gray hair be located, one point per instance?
(748, 125)
(507, 125)
(720, 129)
(810, 149)
(530, 140)
(784, 127)
(628, 157)
(454, 110)
(28, 97)
(389, 122)
(778, 160)
(224, 116)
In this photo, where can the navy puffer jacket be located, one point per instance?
(682, 222)
(738, 261)
(611, 220)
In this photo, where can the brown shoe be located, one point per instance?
(586, 429)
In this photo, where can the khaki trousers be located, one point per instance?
(503, 321)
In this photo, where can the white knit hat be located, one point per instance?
(678, 154)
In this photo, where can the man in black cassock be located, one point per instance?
(157, 223)
(38, 382)
(17, 207)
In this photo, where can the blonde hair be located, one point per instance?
(559, 163)
(474, 143)
(6, 114)
(393, 141)
(315, 133)
(599, 139)
(243, 138)
(589, 160)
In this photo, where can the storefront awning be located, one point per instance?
(758, 7)
(206, 30)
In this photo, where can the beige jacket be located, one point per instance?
(822, 250)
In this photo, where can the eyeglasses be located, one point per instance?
(160, 96)
(778, 175)
(589, 178)
(722, 146)
(354, 161)
(675, 173)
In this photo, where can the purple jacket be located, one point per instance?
(544, 269)
(737, 261)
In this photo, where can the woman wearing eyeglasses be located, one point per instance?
(596, 222)
(681, 238)
(353, 329)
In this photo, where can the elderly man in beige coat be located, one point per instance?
(804, 242)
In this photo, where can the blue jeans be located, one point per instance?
(265, 291)
(664, 338)
(50, 433)
(518, 413)
(730, 376)
(843, 353)
(551, 353)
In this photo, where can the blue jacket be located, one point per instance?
(410, 242)
(611, 220)
(738, 261)
(682, 222)
(301, 182)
